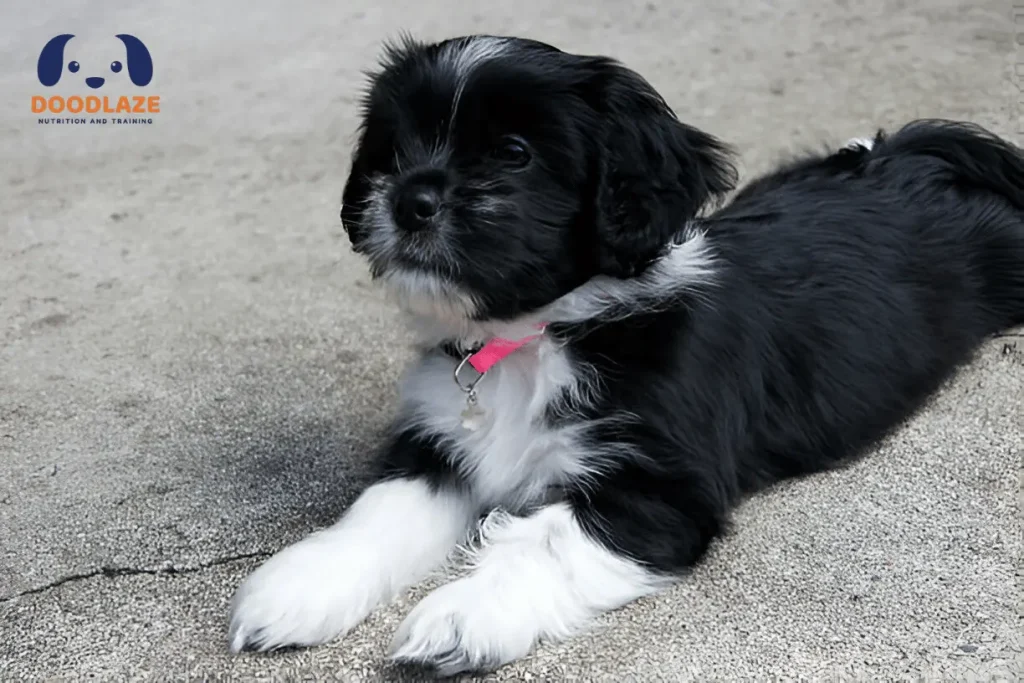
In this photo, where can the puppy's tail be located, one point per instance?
(975, 157)
(973, 160)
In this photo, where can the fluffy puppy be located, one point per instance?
(604, 374)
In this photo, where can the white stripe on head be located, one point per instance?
(464, 55)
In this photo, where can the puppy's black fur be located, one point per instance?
(851, 286)
(847, 287)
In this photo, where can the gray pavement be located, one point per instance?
(194, 369)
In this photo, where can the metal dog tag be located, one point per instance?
(473, 414)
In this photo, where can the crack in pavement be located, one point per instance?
(114, 572)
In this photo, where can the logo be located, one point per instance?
(94, 83)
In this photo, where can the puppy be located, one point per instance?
(604, 373)
(51, 63)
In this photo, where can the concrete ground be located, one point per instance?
(193, 368)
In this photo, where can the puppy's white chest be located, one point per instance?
(498, 434)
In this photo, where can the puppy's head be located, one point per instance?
(493, 175)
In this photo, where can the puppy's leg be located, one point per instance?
(393, 535)
(536, 577)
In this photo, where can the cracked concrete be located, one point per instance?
(113, 572)
(193, 368)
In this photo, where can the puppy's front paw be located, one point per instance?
(462, 627)
(301, 596)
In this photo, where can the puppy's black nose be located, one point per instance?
(417, 203)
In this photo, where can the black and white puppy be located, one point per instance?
(537, 214)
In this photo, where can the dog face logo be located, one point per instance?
(78, 69)
(137, 60)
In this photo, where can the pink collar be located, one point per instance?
(489, 355)
(482, 360)
(498, 349)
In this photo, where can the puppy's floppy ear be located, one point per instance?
(358, 186)
(654, 173)
(353, 197)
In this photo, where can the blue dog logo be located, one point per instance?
(138, 62)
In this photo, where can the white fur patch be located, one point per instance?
(686, 268)
(854, 143)
(424, 294)
(513, 456)
(535, 578)
(320, 587)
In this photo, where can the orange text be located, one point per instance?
(91, 104)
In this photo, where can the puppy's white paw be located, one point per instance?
(860, 143)
(301, 596)
(463, 626)
(319, 588)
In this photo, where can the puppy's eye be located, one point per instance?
(511, 151)
(115, 66)
(73, 67)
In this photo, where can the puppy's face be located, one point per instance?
(494, 175)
